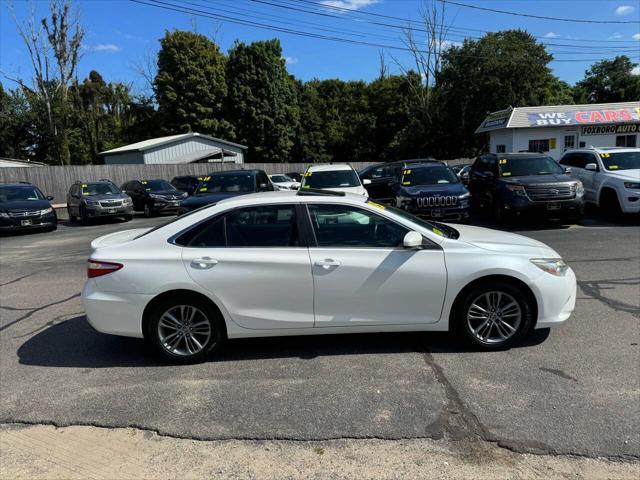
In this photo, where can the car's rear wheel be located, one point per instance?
(184, 329)
(494, 316)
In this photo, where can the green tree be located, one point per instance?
(609, 81)
(16, 123)
(499, 70)
(262, 101)
(190, 85)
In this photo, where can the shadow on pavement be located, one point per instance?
(75, 344)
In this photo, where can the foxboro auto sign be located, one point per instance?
(583, 117)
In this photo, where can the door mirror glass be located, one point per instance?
(49, 197)
(262, 186)
(591, 166)
(412, 239)
(366, 181)
(567, 169)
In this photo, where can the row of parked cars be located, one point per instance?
(509, 185)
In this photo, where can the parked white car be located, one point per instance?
(611, 176)
(283, 182)
(290, 263)
(335, 177)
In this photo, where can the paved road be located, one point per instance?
(575, 392)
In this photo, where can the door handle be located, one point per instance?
(203, 263)
(327, 263)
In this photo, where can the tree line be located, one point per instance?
(248, 96)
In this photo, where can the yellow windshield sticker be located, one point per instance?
(85, 193)
(206, 179)
(306, 186)
(613, 167)
(606, 155)
(203, 189)
(407, 172)
(84, 185)
(144, 182)
(406, 183)
(437, 232)
(503, 161)
(377, 205)
(308, 174)
(506, 174)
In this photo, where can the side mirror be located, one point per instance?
(366, 181)
(591, 166)
(49, 197)
(263, 186)
(567, 169)
(412, 239)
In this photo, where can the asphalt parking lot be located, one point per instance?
(575, 391)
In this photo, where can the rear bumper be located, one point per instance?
(114, 313)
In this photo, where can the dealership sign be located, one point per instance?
(618, 129)
(583, 117)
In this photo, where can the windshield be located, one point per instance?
(99, 189)
(331, 179)
(519, 167)
(621, 160)
(280, 178)
(15, 193)
(157, 185)
(436, 227)
(428, 176)
(240, 182)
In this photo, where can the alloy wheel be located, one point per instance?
(494, 317)
(184, 330)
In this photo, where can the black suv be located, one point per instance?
(186, 183)
(385, 178)
(23, 206)
(218, 186)
(515, 184)
(432, 190)
(88, 200)
(153, 196)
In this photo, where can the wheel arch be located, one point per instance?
(516, 282)
(184, 293)
(608, 189)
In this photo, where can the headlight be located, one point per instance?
(632, 185)
(554, 266)
(126, 201)
(91, 203)
(579, 189)
(402, 202)
(46, 210)
(184, 195)
(4, 215)
(157, 197)
(517, 189)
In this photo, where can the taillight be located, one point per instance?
(96, 268)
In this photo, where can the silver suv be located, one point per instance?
(611, 176)
(88, 200)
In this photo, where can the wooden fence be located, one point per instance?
(56, 180)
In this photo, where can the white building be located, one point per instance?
(185, 148)
(552, 129)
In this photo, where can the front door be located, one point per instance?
(251, 260)
(363, 276)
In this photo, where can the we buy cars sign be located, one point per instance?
(583, 117)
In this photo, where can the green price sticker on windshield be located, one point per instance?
(437, 232)
(506, 174)
(203, 189)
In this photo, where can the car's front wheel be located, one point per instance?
(494, 316)
(184, 330)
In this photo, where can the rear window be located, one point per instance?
(331, 179)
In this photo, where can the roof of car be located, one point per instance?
(283, 196)
(604, 149)
(252, 171)
(17, 184)
(418, 166)
(516, 155)
(329, 168)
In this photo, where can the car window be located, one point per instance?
(348, 226)
(331, 179)
(429, 176)
(99, 189)
(19, 193)
(523, 166)
(263, 226)
(228, 182)
(157, 185)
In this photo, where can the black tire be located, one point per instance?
(148, 211)
(72, 218)
(179, 353)
(574, 219)
(609, 204)
(83, 216)
(469, 329)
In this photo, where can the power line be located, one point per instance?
(192, 11)
(539, 17)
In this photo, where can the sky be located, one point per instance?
(122, 35)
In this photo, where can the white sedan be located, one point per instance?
(307, 263)
(284, 182)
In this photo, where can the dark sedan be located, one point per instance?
(24, 207)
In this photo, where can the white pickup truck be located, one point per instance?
(611, 176)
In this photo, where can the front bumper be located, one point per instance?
(519, 206)
(165, 206)
(49, 220)
(99, 211)
(556, 298)
(630, 201)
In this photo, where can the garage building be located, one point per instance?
(553, 129)
(185, 148)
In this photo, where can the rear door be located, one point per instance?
(363, 276)
(252, 260)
